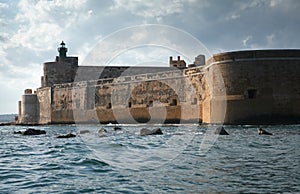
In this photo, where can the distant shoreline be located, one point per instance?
(7, 119)
(7, 123)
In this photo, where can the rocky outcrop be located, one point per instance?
(102, 130)
(83, 131)
(31, 131)
(156, 131)
(116, 128)
(69, 135)
(263, 132)
(221, 131)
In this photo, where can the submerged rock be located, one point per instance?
(17, 132)
(83, 132)
(116, 128)
(156, 131)
(31, 131)
(263, 132)
(102, 130)
(221, 131)
(70, 135)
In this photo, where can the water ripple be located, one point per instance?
(242, 162)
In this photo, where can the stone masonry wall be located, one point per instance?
(246, 87)
(45, 100)
(87, 73)
(58, 73)
(256, 90)
(159, 97)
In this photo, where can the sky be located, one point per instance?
(32, 30)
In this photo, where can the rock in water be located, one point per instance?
(117, 128)
(263, 132)
(144, 131)
(83, 131)
(70, 135)
(31, 131)
(221, 131)
(102, 130)
(156, 131)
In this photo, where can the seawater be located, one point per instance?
(124, 162)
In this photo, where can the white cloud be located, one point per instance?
(270, 39)
(13, 86)
(233, 16)
(37, 36)
(245, 42)
(150, 9)
(251, 4)
(29, 30)
(83, 51)
(137, 38)
(240, 7)
(44, 21)
(3, 5)
(4, 37)
(274, 3)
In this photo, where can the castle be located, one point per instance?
(243, 87)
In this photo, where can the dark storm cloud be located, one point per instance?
(226, 24)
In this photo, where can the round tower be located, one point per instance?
(29, 108)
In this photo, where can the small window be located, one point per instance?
(108, 106)
(129, 104)
(252, 93)
(150, 103)
(174, 102)
(77, 102)
(195, 101)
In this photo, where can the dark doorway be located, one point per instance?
(252, 93)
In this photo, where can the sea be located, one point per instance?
(185, 159)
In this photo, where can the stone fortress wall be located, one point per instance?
(261, 86)
(244, 87)
(126, 99)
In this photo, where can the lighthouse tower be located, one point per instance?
(62, 70)
(62, 50)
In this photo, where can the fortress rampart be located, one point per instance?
(261, 86)
(243, 87)
(127, 99)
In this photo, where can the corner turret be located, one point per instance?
(29, 108)
(179, 63)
